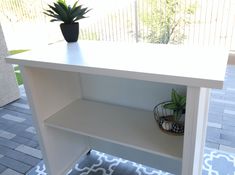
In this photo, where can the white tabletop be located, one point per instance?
(184, 65)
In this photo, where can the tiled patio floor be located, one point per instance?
(19, 149)
(221, 123)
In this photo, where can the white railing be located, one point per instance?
(199, 22)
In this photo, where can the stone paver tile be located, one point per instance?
(3, 126)
(215, 114)
(19, 156)
(6, 134)
(216, 106)
(231, 112)
(217, 95)
(229, 108)
(227, 133)
(14, 113)
(228, 93)
(217, 91)
(18, 127)
(22, 157)
(10, 172)
(228, 120)
(8, 143)
(214, 125)
(31, 130)
(21, 140)
(35, 138)
(13, 118)
(228, 127)
(7, 123)
(38, 147)
(227, 143)
(19, 110)
(2, 168)
(225, 140)
(30, 151)
(28, 121)
(32, 143)
(212, 145)
(230, 89)
(223, 102)
(229, 84)
(15, 165)
(213, 132)
(32, 160)
(4, 150)
(214, 120)
(20, 105)
(26, 134)
(227, 148)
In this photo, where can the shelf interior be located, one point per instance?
(126, 126)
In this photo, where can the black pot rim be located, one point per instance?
(69, 23)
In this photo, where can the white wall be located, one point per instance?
(133, 93)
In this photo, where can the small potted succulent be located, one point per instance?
(170, 114)
(69, 15)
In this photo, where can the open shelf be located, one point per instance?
(129, 127)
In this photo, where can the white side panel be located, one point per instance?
(195, 130)
(126, 92)
(48, 92)
(51, 90)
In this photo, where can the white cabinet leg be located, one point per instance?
(195, 130)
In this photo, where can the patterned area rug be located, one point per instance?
(97, 163)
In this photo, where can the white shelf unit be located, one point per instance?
(129, 127)
(65, 117)
(76, 106)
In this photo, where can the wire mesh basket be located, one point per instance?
(165, 120)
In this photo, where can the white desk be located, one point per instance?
(99, 95)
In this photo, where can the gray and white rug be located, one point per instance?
(97, 163)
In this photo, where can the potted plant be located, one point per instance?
(170, 114)
(69, 15)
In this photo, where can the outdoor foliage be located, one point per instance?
(166, 19)
(19, 10)
(60, 11)
(18, 75)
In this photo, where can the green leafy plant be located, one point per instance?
(60, 11)
(166, 20)
(177, 104)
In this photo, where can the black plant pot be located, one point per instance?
(70, 32)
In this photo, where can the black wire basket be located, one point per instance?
(165, 120)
